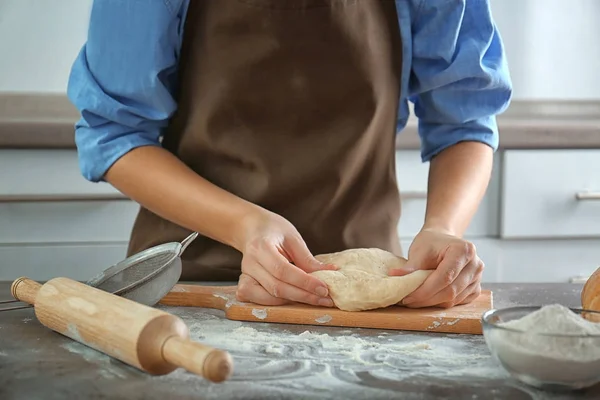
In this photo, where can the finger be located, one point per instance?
(283, 290)
(446, 295)
(453, 262)
(302, 257)
(474, 289)
(405, 269)
(472, 297)
(443, 298)
(249, 290)
(278, 266)
(467, 295)
(450, 293)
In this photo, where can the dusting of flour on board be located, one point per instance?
(258, 313)
(230, 299)
(323, 319)
(436, 324)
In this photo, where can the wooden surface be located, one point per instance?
(459, 319)
(151, 340)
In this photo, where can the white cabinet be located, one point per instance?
(43, 262)
(66, 222)
(551, 194)
(55, 223)
(547, 260)
(44, 199)
(412, 182)
(48, 173)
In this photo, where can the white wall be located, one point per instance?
(551, 44)
(39, 40)
(553, 47)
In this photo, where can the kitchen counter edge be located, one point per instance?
(45, 121)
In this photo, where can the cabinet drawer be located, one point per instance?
(548, 261)
(67, 222)
(25, 173)
(412, 177)
(541, 189)
(44, 262)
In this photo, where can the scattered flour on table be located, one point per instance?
(107, 367)
(278, 361)
(528, 348)
(394, 356)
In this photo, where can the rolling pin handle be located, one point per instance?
(214, 365)
(25, 290)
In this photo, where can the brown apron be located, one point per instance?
(291, 105)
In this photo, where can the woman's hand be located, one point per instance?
(276, 264)
(458, 270)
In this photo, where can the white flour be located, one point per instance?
(276, 363)
(357, 363)
(573, 357)
(398, 356)
(290, 361)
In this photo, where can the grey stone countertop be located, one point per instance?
(45, 121)
(276, 361)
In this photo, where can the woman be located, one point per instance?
(268, 126)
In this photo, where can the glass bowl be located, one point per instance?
(545, 361)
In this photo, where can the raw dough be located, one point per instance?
(362, 281)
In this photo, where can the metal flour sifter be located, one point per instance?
(145, 277)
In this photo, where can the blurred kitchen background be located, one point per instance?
(539, 222)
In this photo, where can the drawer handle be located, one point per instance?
(413, 195)
(578, 279)
(587, 195)
(60, 197)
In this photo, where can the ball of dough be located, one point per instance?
(362, 281)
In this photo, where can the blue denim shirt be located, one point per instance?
(122, 81)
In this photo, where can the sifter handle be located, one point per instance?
(25, 290)
(214, 365)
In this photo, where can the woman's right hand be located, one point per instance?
(276, 264)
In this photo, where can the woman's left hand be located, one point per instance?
(458, 270)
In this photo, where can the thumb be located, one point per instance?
(303, 258)
(406, 269)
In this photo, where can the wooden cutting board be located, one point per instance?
(459, 319)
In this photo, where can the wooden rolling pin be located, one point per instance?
(149, 339)
(590, 294)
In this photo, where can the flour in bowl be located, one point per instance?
(572, 357)
(555, 319)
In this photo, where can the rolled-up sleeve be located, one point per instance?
(122, 80)
(459, 78)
